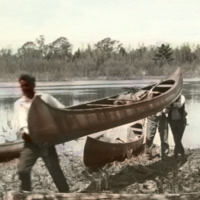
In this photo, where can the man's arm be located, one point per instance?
(20, 122)
(52, 101)
(15, 121)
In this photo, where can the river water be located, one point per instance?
(76, 92)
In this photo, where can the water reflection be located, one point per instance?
(192, 92)
(191, 136)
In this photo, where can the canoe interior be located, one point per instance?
(160, 88)
(98, 152)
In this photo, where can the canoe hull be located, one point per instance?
(97, 152)
(49, 126)
(10, 150)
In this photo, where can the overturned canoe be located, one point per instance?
(10, 150)
(49, 126)
(98, 151)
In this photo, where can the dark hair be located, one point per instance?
(28, 78)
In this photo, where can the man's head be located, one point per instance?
(27, 84)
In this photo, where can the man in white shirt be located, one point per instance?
(31, 151)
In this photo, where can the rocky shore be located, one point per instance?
(136, 175)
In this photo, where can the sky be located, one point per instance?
(82, 22)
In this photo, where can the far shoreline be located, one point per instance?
(103, 79)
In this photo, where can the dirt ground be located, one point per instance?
(138, 174)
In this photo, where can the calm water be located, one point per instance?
(76, 92)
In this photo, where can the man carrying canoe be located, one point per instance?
(178, 121)
(31, 151)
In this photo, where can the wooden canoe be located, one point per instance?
(98, 152)
(10, 150)
(49, 126)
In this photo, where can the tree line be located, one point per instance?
(105, 59)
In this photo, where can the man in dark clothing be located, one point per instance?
(177, 121)
(154, 122)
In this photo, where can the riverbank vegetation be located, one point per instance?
(107, 59)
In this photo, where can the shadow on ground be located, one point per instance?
(138, 175)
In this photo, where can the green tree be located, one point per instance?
(77, 55)
(61, 48)
(42, 48)
(105, 48)
(29, 50)
(164, 54)
(185, 54)
(122, 51)
(5, 52)
(197, 52)
(6, 55)
(139, 52)
(33, 50)
(40, 42)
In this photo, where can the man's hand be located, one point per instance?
(26, 137)
(159, 114)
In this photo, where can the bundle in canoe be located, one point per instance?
(50, 126)
(10, 150)
(102, 150)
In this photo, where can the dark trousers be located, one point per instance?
(178, 127)
(29, 156)
(162, 124)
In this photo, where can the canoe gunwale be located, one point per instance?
(118, 144)
(7, 144)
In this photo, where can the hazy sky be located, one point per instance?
(132, 22)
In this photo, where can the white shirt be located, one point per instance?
(176, 115)
(22, 106)
(179, 103)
